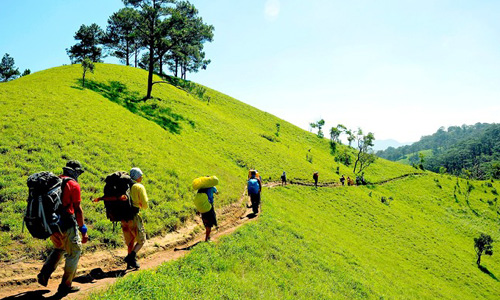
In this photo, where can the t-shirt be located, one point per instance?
(71, 194)
(210, 193)
(139, 196)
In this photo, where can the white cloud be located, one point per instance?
(272, 9)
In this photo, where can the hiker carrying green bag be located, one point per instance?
(204, 201)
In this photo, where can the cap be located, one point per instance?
(75, 165)
(135, 173)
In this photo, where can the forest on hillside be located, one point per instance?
(472, 151)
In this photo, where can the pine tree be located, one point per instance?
(8, 69)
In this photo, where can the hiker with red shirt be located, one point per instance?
(67, 242)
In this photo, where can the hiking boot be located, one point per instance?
(131, 261)
(42, 280)
(63, 290)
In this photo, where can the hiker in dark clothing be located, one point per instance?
(283, 178)
(254, 189)
(315, 177)
(342, 179)
(67, 242)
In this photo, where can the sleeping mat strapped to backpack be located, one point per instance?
(205, 182)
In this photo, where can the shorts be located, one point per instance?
(133, 231)
(209, 218)
(255, 199)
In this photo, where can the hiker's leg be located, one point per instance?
(128, 236)
(51, 263)
(214, 218)
(140, 233)
(257, 204)
(55, 256)
(73, 248)
(207, 233)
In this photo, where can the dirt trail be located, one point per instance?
(100, 269)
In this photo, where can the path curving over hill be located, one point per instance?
(100, 269)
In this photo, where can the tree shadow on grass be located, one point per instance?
(487, 272)
(117, 92)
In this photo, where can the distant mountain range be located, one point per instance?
(469, 150)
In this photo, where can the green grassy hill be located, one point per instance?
(309, 243)
(343, 243)
(47, 118)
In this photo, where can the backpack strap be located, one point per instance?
(63, 185)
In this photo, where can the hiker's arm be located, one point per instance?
(143, 198)
(111, 198)
(79, 220)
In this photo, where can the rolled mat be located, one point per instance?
(205, 182)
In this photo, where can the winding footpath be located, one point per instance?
(100, 269)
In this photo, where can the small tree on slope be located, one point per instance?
(87, 65)
(364, 157)
(483, 244)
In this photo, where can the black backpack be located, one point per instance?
(45, 213)
(118, 184)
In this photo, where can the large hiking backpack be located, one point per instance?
(43, 213)
(253, 186)
(118, 184)
(201, 201)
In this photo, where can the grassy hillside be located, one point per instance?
(46, 118)
(343, 243)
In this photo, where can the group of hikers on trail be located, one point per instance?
(360, 180)
(54, 211)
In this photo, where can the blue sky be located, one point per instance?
(400, 69)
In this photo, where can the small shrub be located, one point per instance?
(309, 157)
(494, 192)
(270, 138)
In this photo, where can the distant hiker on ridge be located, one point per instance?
(316, 177)
(254, 187)
(283, 178)
(67, 242)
